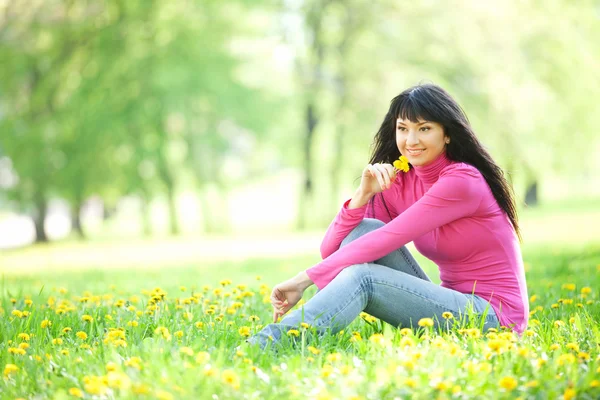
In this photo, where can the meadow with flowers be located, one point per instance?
(174, 333)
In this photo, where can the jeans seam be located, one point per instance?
(409, 262)
(360, 289)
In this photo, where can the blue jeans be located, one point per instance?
(393, 288)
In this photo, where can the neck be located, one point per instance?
(430, 172)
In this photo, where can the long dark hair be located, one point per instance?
(432, 103)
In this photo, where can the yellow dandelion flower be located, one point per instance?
(313, 350)
(17, 313)
(426, 322)
(178, 334)
(532, 384)
(569, 286)
(410, 382)
(508, 383)
(582, 355)
(572, 346)
(81, 335)
(132, 324)
(76, 392)
(10, 369)
(406, 331)
(447, 315)
(45, 324)
(326, 371)
(244, 331)
(595, 383)
(442, 386)
(57, 341)
(293, 332)
(569, 394)
(586, 290)
(202, 357)
(334, 357)
(564, 359)
(230, 378)
(554, 346)
(164, 395)
(378, 339)
(304, 325)
(558, 323)
(402, 164)
(186, 350)
(24, 336)
(87, 318)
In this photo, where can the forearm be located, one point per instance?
(359, 199)
(303, 281)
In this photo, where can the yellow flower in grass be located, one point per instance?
(87, 318)
(24, 337)
(81, 335)
(76, 392)
(163, 395)
(426, 322)
(334, 357)
(230, 378)
(45, 324)
(10, 369)
(244, 331)
(569, 286)
(313, 350)
(293, 332)
(447, 315)
(202, 357)
(573, 346)
(586, 290)
(401, 164)
(569, 394)
(508, 383)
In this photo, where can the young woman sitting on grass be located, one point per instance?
(452, 201)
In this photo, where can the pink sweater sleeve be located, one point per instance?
(457, 193)
(347, 219)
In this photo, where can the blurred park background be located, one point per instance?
(153, 132)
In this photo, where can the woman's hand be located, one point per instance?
(287, 294)
(376, 178)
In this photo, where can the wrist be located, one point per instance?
(359, 199)
(303, 281)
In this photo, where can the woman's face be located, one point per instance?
(421, 142)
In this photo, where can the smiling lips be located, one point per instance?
(415, 152)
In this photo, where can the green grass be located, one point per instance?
(195, 356)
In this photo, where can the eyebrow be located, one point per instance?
(418, 123)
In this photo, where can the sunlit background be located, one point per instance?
(161, 132)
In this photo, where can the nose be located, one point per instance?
(412, 139)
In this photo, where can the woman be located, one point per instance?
(453, 203)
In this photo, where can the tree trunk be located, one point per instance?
(76, 220)
(307, 187)
(531, 194)
(40, 217)
(173, 219)
(145, 215)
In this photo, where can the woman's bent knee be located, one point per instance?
(366, 225)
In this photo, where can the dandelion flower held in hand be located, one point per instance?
(401, 164)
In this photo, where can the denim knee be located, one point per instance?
(358, 273)
(366, 225)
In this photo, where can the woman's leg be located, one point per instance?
(400, 260)
(395, 297)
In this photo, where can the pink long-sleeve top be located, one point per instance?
(448, 211)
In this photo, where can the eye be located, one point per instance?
(425, 128)
(401, 128)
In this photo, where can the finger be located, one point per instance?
(377, 175)
(384, 174)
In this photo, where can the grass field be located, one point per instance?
(171, 333)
